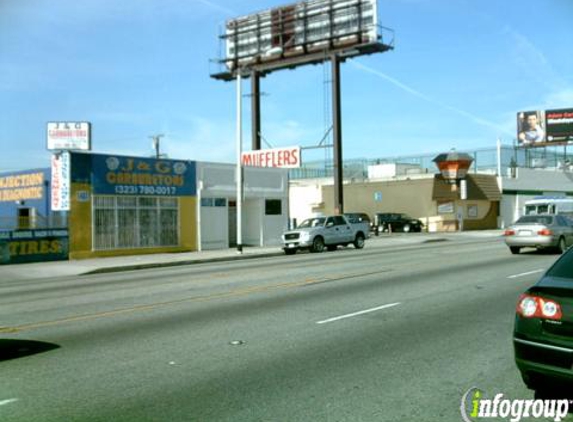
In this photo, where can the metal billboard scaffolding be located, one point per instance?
(294, 35)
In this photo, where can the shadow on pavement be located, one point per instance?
(14, 349)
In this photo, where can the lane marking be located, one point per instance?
(366, 311)
(524, 274)
(4, 402)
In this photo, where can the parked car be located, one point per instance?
(317, 233)
(396, 222)
(540, 232)
(543, 331)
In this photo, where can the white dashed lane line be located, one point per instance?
(8, 401)
(525, 274)
(366, 311)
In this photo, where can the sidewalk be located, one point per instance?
(136, 262)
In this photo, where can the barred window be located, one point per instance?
(135, 222)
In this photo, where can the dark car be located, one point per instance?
(396, 222)
(543, 332)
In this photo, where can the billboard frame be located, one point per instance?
(269, 42)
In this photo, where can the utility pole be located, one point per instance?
(156, 139)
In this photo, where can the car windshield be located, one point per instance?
(312, 222)
(534, 219)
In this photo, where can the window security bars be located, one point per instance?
(134, 222)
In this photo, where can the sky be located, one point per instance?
(459, 72)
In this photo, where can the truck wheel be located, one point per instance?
(359, 241)
(289, 251)
(317, 245)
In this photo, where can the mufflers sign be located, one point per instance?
(278, 157)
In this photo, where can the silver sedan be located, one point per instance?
(540, 232)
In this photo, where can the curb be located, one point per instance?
(151, 265)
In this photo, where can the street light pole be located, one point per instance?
(156, 139)
(239, 167)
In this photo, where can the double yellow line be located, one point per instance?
(154, 306)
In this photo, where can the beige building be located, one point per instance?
(424, 196)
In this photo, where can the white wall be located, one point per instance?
(304, 195)
(390, 170)
(214, 228)
(218, 180)
(274, 226)
(253, 210)
(540, 180)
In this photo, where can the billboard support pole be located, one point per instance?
(256, 110)
(337, 136)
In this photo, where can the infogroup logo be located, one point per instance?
(475, 406)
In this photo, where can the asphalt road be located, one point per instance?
(393, 334)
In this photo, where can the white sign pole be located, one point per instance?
(239, 169)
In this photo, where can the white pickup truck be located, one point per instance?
(319, 232)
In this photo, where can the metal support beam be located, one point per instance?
(255, 110)
(337, 136)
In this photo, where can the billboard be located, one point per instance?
(301, 33)
(69, 136)
(60, 193)
(278, 157)
(544, 127)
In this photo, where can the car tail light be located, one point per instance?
(509, 232)
(545, 232)
(530, 306)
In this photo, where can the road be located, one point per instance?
(379, 334)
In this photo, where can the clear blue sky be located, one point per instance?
(460, 72)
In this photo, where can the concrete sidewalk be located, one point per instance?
(136, 262)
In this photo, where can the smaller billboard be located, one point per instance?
(288, 157)
(559, 124)
(544, 127)
(60, 193)
(69, 136)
